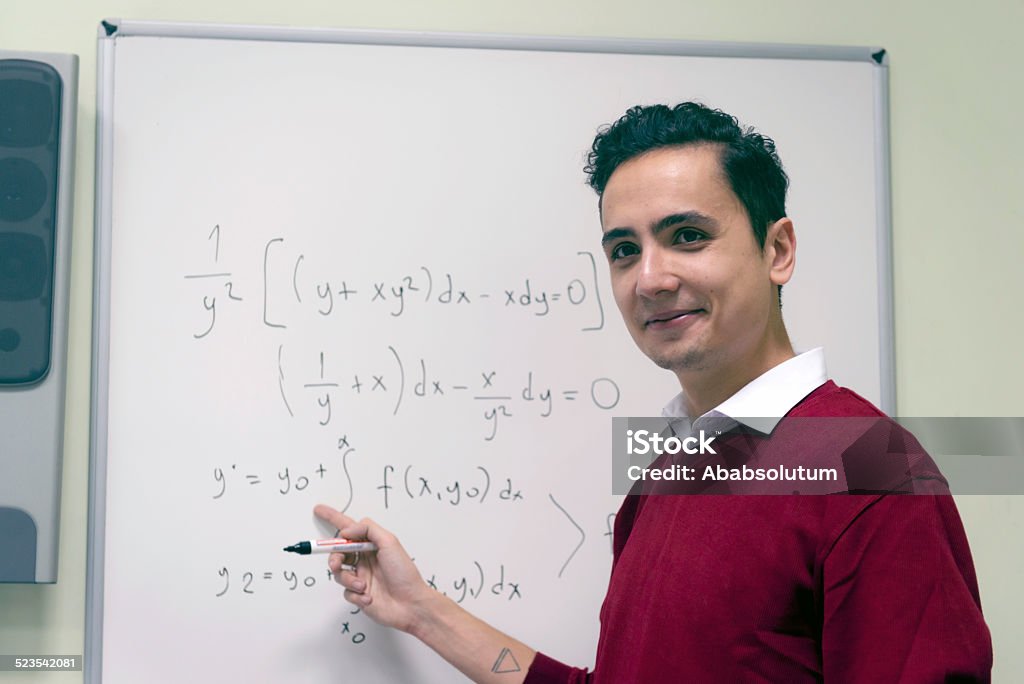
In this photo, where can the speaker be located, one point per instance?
(38, 98)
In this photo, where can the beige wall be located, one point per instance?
(956, 100)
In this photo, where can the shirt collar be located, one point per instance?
(762, 402)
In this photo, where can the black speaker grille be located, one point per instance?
(23, 189)
(26, 113)
(30, 105)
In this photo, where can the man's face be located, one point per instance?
(688, 276)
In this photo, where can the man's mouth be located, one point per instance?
(666, 316)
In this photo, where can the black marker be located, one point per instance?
(305, 548)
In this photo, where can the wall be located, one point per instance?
(956, 150)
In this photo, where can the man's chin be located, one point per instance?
(688, 360)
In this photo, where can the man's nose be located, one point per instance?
(656, 275)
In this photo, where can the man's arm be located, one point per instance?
(900, 597)
(387, 586)
(478, 650)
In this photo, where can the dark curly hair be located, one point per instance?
(749, 160)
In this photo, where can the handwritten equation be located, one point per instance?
(476, 583)
(418, 383)
(328, 294)
(284, 481)
(473, 584)
(340, 376)
(475, 488)
(251, 583)
(216, 283)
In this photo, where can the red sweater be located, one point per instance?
(864, 588)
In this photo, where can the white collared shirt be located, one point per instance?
(762, 402)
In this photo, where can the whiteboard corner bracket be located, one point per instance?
(108, 28)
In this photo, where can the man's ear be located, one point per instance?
(780, 249)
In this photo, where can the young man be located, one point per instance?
(725, 588)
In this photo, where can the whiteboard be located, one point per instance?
(363, 268)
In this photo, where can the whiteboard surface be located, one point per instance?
(326, 269)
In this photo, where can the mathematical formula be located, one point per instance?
(328, 295)
(475, 488)
(474, 584)
(284, 481)
(394, 379)
(317, 376)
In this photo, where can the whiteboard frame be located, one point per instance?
(111, 29)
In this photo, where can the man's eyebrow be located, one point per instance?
(615, 234)
(694, 218)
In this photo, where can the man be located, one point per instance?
(725, 588)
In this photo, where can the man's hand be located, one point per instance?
(386, 584)
(389, 588)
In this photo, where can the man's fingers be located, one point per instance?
(332, 516)
(351, 581)
(347, 563)
(368, 529)
(355, 531)
(336, 562)
(342, 562)
(361, 600)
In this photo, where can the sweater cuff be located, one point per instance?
(545, 670)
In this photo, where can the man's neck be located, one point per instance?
(704, 390)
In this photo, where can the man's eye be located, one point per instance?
(688, 236)
(623, 250)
